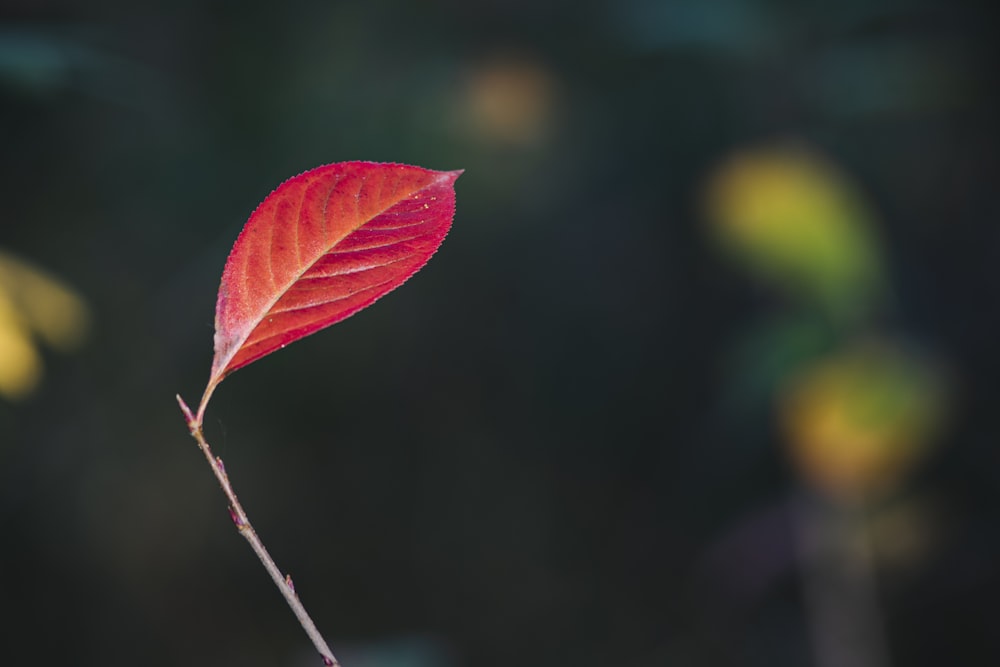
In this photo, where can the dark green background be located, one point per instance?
(529, 454)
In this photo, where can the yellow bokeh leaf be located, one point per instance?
(796, 221)
(50, 309)
(855, 424)
(33, 304)
(20, 364)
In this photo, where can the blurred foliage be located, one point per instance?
(798, 223)
(34, 305)
(858, 422)
(857, 415)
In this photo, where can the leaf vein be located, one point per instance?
(369, 288)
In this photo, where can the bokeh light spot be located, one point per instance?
(857, 423)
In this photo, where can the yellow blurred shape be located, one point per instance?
(509, 101)
(34, 304)
(794, 220)
(20, 365)
(857, 423)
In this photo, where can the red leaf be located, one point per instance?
(321, 247)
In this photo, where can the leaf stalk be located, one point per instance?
(246, 529)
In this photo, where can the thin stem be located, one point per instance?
(838, 568)
(242, 521)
